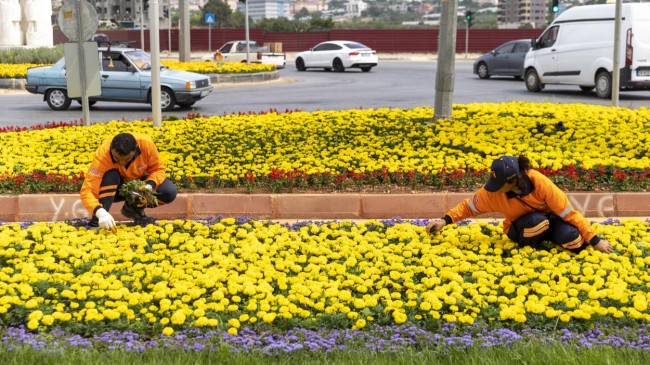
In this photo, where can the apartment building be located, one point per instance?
(515, 13)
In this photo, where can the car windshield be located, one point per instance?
(139, 58)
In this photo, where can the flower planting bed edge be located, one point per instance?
(62, 207)
(19, 84)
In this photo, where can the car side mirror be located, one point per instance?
(533, 43)
(494, 52)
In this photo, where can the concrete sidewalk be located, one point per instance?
(61, 207)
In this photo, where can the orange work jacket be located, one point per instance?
(545, 197)
(145, 161)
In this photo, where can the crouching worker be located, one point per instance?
(535, 209)
(125, 157)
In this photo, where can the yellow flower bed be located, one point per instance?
(179, 274)
(204, 67)
(15, 71)
(229, 147)
(19, 71)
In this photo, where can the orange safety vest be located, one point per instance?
(545, 198)
(145, 161)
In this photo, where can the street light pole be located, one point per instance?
(248, 42)
(169, 25)
(142, 24)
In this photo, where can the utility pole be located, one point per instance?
(155, 63)
(142, 24)
(248, 42)
(184, 52)
(616, 72)
(169, 25)
(446, 61)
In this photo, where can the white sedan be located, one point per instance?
(337, 56)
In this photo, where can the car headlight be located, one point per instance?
(190, 85)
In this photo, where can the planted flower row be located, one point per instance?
(233, 274)
(581, 147)
(380, 339)
(19, 71)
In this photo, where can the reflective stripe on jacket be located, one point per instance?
(146, 161)
(545, 197)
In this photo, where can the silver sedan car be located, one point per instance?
(505, 60)
(337, 56)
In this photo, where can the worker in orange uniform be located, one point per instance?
(127, 156)
(535, 209)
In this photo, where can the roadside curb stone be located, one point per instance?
(62, 207)
(19, 84)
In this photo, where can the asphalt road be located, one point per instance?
(395, 84)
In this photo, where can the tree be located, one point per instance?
(302, 13)
(318, 23)
(220, 9)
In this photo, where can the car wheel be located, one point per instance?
(604, 85)
(57, 99)
(532, 81)
(366, 69)
(337, 65)
(186, 105)
(300, 64)
(586, 88)
(482, 71)
(167, 99)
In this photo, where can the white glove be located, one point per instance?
(106, 220)
(149, 187)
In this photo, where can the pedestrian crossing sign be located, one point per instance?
(209, 18)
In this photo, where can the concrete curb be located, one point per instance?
(61, 207)
(242, 78)
(19, 84)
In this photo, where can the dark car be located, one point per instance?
(505, 60)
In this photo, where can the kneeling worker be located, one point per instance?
(535, 209)
(127, 156)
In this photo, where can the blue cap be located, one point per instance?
(503, 169)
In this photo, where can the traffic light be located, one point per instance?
(556, 6)
(469, 16)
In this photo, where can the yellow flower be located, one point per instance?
(168, 331)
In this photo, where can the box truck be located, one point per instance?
(578, 49)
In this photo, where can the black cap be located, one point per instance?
(503, 168)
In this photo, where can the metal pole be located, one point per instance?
(466, 36)
(169, 25)
(445, 77)
(184, 51)
(248, 46)
(616, 72)
(85, 110)
(209, 37)
(142, 24)
(155, 63)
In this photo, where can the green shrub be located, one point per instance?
(41, 55)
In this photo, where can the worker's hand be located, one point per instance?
(106, 220)
(603, 246)
(435, 225)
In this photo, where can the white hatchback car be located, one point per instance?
(337, 56)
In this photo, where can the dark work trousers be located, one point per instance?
(111, 182)
(534, 228)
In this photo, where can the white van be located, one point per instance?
(578, 49)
